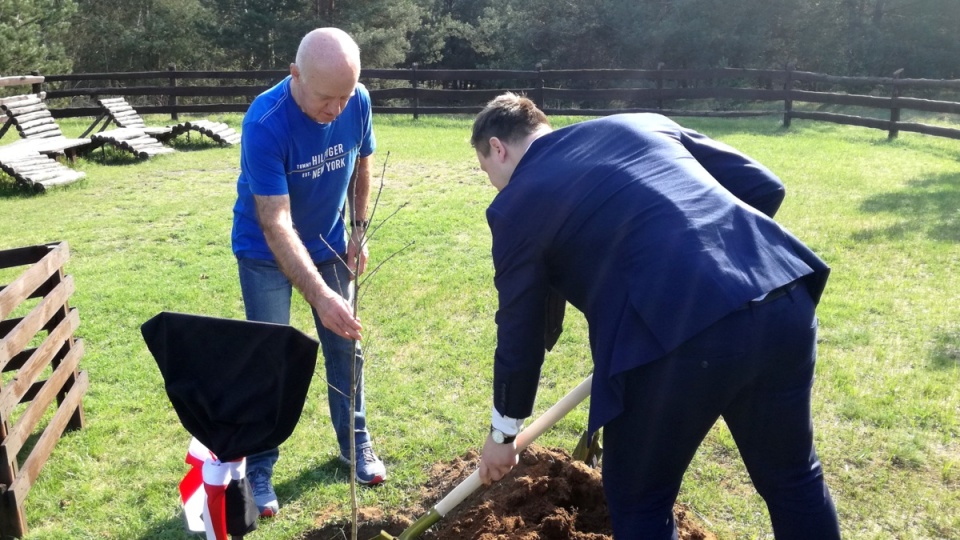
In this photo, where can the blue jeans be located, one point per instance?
(754, 368)
(266, 298)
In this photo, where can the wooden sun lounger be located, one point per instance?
(121, 113)
(33, 169)
(29, 115)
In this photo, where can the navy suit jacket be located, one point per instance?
(653, 231)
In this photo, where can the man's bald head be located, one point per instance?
(328, 49)
(325, 73)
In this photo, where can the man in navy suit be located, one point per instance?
(699, 306)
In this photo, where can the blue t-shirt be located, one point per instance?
(285, 152)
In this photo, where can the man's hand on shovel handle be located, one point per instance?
(497, 460)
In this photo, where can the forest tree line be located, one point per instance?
(841, 37)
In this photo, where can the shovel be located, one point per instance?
(468, 486)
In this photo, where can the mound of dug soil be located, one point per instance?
(548, 496)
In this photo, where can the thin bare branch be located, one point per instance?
(377, 228)
(376, 200)
(374, 271)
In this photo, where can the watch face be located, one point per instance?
(497, 436)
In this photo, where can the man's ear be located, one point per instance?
(498, 149)
(295, 71)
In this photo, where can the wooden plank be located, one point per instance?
(833, 98)
(275, 74)
(57, 144)
(194, 91)
(17, 110)
(928, 129)
(844, 119)
(41, 399)
(33, 322)
(42, 131)
(21, 80)
(887, 81)
(13, 393)
(474, 109)
(130, 115)
(65, 177)
(119, 134)
(53, 258)
(36, 122)
(12, 100)
(41, 176)
(78, 112)
(153, 130)
(118, 108)
(929, 105)
(27, 161)
(51, 434)
(38, 167)
(31, 161)
(33, 116)
(665, 112)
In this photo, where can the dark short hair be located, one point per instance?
(508, 117)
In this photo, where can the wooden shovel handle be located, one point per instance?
(536, 428)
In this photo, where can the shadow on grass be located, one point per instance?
(112, 156)
(11, 189)
(946, 350)
(330, 472)
(172, 529)
(930, 207)
(918, 143)
(192, 142)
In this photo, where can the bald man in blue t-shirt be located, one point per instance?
(305, 178)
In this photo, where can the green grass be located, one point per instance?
(154, 235)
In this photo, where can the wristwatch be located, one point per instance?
(360, 224)
(500, 437)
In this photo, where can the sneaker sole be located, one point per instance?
(374, 481)
(268, 512)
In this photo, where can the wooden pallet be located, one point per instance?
(36, 338)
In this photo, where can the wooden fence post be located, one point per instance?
(36, 88)
(416, 97)
(540, 101)
(660, 86)
(787, 100)
(172, 98)
(894, 109)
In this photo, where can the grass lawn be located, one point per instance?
(155, 235)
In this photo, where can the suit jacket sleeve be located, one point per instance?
(522, 288)
(741, 175)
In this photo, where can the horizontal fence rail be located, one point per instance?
(720, 92)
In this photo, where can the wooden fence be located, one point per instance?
(36, 339)
(723, 92)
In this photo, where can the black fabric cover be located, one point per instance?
(242, 512)
(238, 386)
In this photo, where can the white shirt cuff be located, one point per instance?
(509, 426)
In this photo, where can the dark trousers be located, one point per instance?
(754, 368)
